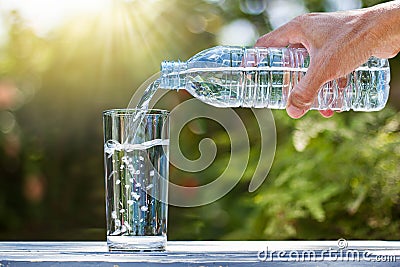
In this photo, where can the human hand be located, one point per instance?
(337, 43)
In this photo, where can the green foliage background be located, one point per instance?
(330, 178)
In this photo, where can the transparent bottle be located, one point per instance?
(226, 76)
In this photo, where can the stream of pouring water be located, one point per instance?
(141, 110)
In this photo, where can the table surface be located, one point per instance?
(205, 253)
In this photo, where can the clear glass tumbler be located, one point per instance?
(136, 147)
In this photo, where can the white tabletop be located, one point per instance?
(205, 253)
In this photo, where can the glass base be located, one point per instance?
(136, 243)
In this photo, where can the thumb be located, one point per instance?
(303, 94)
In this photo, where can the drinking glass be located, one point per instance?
(136, 146)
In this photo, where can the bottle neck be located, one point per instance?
(171, 75)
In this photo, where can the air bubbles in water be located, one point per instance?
(114, 214)
(144, 208)
(135, 196)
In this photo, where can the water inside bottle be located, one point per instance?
(365, 89)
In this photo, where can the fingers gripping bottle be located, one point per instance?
(226, 76)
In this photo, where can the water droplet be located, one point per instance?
(141, 220)
(137, 172)
(141, 158)
(122, 210)
(122, 167)
(152, 173)
(118, 181)
(131, 180)
(130, 202)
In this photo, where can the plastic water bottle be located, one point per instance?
(264, 77)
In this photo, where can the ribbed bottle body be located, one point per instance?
(264, 78)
